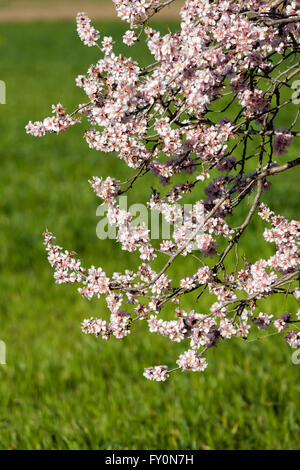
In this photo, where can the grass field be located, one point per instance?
(61, 389)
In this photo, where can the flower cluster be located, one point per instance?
(58, 123)
(254, 102)
(190, 361)
(282, 140)
(67, 268)
(105, 189)
(157, 373)
(87, 33)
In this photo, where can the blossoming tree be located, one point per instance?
(168, 119)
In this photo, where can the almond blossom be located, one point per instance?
(199, 121)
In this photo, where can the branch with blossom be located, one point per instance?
(165, 119)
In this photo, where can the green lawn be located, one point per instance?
(61, 389)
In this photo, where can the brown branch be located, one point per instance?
(275, 3)
(242, 228)
(279, 169)
(281, 21)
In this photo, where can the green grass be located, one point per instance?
(61, 389)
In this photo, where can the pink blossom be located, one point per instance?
(157, 373)
(190, 360)
(86, 32)
(129, 37)
(282, 140)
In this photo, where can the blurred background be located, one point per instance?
(23, 10)
(61, 389)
